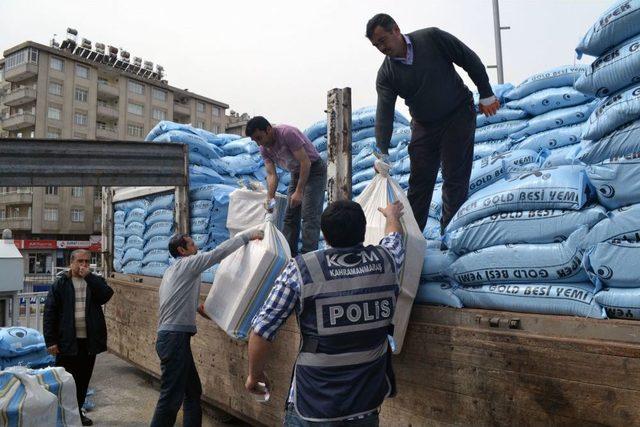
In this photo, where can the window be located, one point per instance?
(159, 94)
(56, 63)
(55, 88)
(79, 135)
(21, 57)
(51, 190)
(80, 118)
(215, 111)
(136, 87)
(77, 192)
(50, 214)
(54, 113)
(2, 214)
(82, 71)
(200, 106)
(54, 133)
(135, 130)
(97, 193)
(159, 114)
(134, 108)
(97, 221)
(102, 80)
(200, 124)
(81, 94)
(77, 215)
(214, 128)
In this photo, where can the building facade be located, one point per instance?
(52, 92)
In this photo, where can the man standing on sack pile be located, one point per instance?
(290, 149)
(74, 327)
(178, 302)
(344, 298)
(418, 67)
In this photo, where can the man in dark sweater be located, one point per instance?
(418, 67)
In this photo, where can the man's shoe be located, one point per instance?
(86, 421)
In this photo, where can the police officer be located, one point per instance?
(344, 297)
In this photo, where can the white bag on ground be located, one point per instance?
(534, 226)
(526, 263)
(61, 383)
(246, 210)
(24, 402)
(243, 281)
(381, 191)
(575, 299)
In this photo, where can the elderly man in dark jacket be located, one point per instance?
(74, 326)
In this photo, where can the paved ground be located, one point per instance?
(126, 397)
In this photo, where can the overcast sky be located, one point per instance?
(279, 58)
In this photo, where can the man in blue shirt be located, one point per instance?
(344, 297)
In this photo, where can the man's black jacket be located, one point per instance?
(59, 317)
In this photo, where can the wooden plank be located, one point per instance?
(339, 144)
(452, 371)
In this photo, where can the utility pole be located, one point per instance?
(498, 40)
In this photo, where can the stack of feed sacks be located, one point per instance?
(520, 245)
(159, 224)
(492, 161)
(142, 228)
(129, 258)
(611, 149)
(216, 159)
(209, 206)
(363, 142)
(558, 113)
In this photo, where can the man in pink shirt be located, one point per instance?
(290, 149)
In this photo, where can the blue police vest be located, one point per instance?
(348, 298)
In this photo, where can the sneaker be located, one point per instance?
(86, 421)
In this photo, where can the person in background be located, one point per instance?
(344, 298)
(178, 302)
(287, 147)
(419, 67)
(74, 327)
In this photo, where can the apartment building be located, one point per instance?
(80, 91)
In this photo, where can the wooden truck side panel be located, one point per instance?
(455, 369)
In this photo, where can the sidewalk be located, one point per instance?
(126, 397)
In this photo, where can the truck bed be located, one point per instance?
(458, 366)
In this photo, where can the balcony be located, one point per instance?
(21, 72)
(19, 121)
(16, 198)
(107, 112)
(16, 223)
(106, 131)
(21, 96)
(181, 110)
(105, 90)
